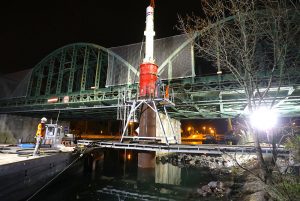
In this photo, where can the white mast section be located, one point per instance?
(149, 34)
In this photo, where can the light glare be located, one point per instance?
(263, 118)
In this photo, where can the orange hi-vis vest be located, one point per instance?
(40, 130)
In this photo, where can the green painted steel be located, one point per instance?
(60, 72)
(39, 77)
(203, 99)
(49, 79)
(74, 68)
(76, 75)
(98, 71)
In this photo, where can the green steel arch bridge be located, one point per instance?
(72, 81)
(85, 80)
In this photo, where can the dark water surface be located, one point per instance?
(117, 178)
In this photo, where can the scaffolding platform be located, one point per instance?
(212, 149)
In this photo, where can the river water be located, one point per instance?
(117, 177)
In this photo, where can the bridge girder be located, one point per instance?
(194, 98)
(78, 71)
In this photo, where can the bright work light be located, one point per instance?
(263, 118)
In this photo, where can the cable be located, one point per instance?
(57, 116)
(138, 69)
(58, 174)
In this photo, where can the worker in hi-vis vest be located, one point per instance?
(40, 134)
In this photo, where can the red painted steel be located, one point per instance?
(148, 78)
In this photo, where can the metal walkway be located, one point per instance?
(213, 149)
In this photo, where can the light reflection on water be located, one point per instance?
(113, 180)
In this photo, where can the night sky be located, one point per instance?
(30, 30)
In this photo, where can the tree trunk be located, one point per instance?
(274, 151)
(265, 172)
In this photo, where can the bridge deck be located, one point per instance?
(182, 148)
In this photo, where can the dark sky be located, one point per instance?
(30, 30)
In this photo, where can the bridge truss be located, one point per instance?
(72, 81)
(204, 97)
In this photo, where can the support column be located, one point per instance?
(147, 128)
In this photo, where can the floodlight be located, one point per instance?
(263, 118)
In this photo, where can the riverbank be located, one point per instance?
(237, 177)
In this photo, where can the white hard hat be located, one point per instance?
(44, 120)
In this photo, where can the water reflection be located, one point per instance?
(119, 178)
(167, 174)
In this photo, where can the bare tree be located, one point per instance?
(255, 41)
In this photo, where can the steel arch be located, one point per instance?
(74, 68)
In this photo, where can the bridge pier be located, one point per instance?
(147, 128)
(146, 160)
